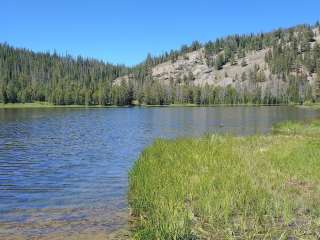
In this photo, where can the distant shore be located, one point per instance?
(315, 106)
(49, 105)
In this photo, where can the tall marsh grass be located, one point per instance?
(224, 187)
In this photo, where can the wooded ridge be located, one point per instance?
(282, 66)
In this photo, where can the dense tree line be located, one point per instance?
(26, 76)
(156, 93)
(292, 56)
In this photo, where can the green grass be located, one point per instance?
(310, 105)
(25, 105)
(226, 187)
(213, 105)
(49, 105)
(135, 103)
(298, 128)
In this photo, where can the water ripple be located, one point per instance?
(65, 170)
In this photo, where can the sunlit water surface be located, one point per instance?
(64, 171)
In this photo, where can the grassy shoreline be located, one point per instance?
(226, 187)
(315, 106)
(48, 105)
(215, 105)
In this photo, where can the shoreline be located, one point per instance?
(48, 105)
(196, 187)
(315, 106)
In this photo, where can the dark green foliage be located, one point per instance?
(233, 60)
(219, 62)
(318, 86)
(26, 76)
(294, 52)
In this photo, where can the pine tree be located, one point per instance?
(3, 94)
(197, 96)
(26, 76)
(243, 76)
(219, 62)
(233, 60)
(318, 86)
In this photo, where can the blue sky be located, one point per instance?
(124, 31)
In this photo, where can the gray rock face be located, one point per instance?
(192, 66)
(194, 63)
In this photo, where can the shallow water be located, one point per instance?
(63, 172)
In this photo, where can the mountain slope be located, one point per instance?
(282, 66)
(252, 70)
(195, 62)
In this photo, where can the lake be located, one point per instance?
(64, 171)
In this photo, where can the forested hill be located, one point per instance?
(26, 76)
(282, 66)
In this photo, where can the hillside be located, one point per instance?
(283, 69)
(282, 66)
(195, 63)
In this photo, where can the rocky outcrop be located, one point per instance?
(193, 68)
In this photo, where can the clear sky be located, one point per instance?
(124, 31)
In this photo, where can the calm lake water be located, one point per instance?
(64, 171)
